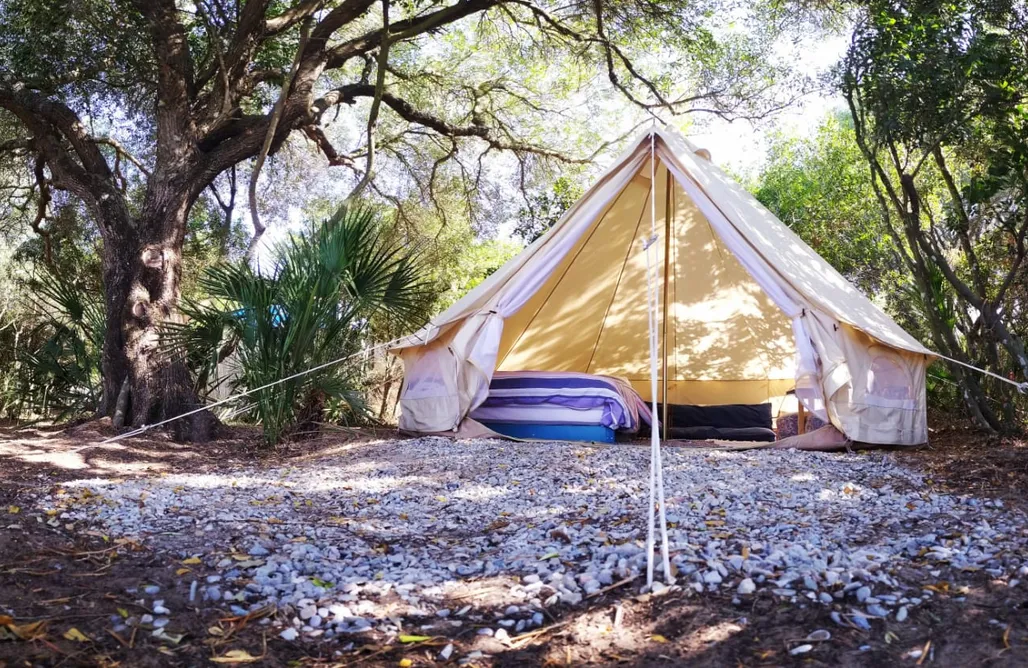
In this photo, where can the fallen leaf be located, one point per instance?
(13, 510)
(658, 638)
(406, 663)
(216, 631)
(183, 571)
(76, 635)
(123, 612)
(6, 619)
(441, 499)
(317, 582)
(191, 561)
(236, 656)
(410, 639)
(28, 631)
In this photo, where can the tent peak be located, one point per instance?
(673, 138)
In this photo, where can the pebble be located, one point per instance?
(289, 634)
(801, 649)
(806, 539)
(502, 635)
(877, 611)
(446, 652)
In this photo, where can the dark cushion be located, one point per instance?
(731, 416)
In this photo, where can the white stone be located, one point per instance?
(746, 586)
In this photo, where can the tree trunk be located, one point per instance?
(142, 274)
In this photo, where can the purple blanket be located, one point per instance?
(543, 397)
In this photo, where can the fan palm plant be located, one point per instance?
(59, 366)
(312, 306)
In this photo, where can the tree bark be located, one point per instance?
(142, 275)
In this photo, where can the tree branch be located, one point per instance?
(376, 104)
(41, 206)
(405, 29)
(291, 16)
(175, 129)
(965, 222)
(269, 136)
(349, 93)
(122, 151)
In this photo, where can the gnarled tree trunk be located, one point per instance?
(142, 294)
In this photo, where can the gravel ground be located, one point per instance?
(391, 537)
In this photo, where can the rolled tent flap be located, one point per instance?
(853, 366)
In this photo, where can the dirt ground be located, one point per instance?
(62, 584)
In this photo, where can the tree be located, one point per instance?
(819, 187)
(545, 209)
(937, 91)
(139, 107)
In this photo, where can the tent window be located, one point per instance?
(888, 380)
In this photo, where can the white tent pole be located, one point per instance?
(656, 472)
(654, 435)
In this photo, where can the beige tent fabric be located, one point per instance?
(727, 341)
(752, 311)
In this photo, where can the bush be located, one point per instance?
(311, 307)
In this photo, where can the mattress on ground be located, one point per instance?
(553, 432)
(564, 398)
(539, 414)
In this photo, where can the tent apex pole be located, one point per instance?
(667, 282)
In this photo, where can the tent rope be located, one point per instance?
(1021, 387)
(656, 465)
(147, 427)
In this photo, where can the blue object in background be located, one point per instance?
(278, 315)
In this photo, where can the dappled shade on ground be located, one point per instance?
(421, 507)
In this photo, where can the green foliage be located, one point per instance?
(937, 91)
(546, 208)
(312, 306)
(820, 187)
(59, 359)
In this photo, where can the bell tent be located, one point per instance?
(746, 312)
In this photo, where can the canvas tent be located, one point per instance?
(747, 311)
